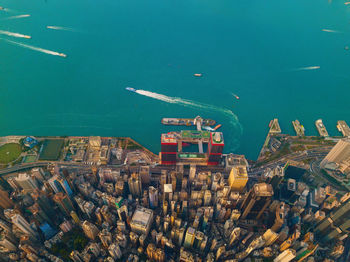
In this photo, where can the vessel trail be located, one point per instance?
(16, 17)
(233, 119)
(307, 68)
(2, 32)
(49, 52)
(330, 31)
(60, 28)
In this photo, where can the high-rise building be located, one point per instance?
(189, 238)
(270, 237)
(60, 184)
(26, 182)
(168, 149)
(238, 178)
(90, 230)
(40, 215)
(285, 256)
(257, 200)
(75, 217)
(114, 251)
(23, 225)
(153, 197)
(339, 153)
(215, 148)
(64, 203)
(135, 185)
(5, 201)
(336, 225)
(274, 176)
(145, 175)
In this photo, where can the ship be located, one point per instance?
(184, 121)
(130, 89)
(208, 128)
(198, 75)
(217, 127)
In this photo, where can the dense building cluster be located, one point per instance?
(179, 214)
(95, 211)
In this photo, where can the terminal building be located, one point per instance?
(192, 147)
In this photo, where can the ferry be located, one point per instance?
(217, 127)
(198, 75)
(130, 89)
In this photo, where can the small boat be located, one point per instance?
(130, 89)
(217, 127)
(1, 8)
(237, 97)
(197, 75)
(63, 55)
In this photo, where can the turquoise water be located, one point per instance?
(250, 48)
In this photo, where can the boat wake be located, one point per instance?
(330, 31)
(45, 51)
(307, 68)
(233, 119)
(16, 17)
(14, 34)
(60, 28)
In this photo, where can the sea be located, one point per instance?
(284, 59)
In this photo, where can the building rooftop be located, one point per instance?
(142, 216)
(168, 138)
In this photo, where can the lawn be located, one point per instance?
(9, 152)
(51, 149)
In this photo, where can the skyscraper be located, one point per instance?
(23, 225)
(145, 174)
(215, 148)
(26, 182)
(135, 185)
(189, 238)
(168, 149)
(153, 197)
(64, 203)
(238, 178)
(90, 230)
(257, 200)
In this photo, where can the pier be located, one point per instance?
(299, 129)
(275, 127)
(321, 128)
(343, 128)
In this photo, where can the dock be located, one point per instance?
(188, 121)
(321, 128)
(299, 129)
(343, 128)
(274, 127)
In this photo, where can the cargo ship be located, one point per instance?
(186, 122)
